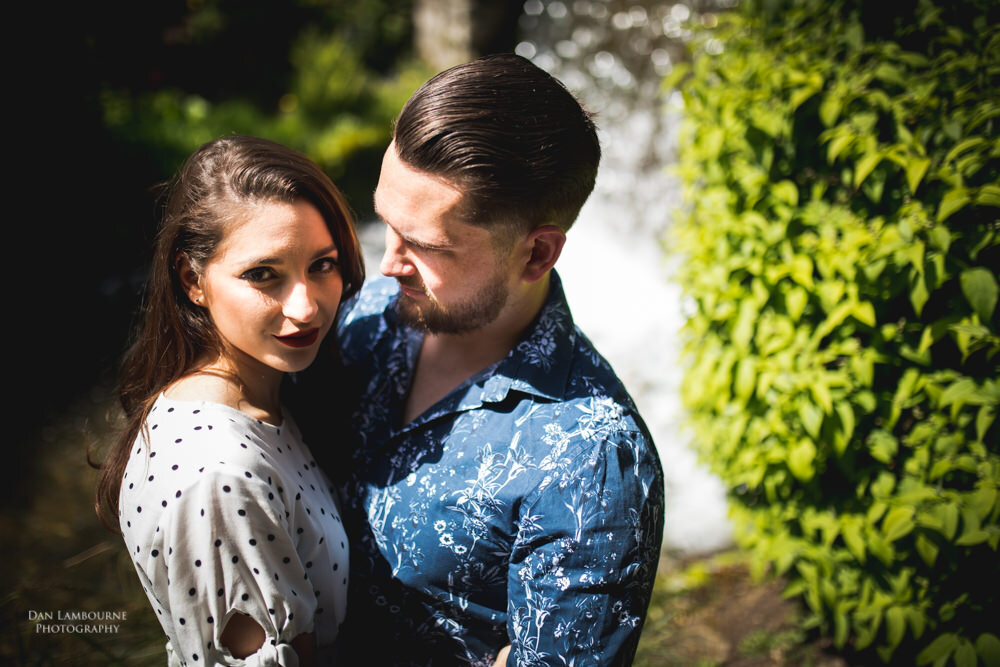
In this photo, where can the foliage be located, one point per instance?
(341, 84)
(841, 250)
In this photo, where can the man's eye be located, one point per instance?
(325, 265)
(259, 274)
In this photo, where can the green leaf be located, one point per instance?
(953, 200)
(965, 655)
(895, 626)
(918, 291)
(829, 109)
(980, 289)
(865, 166)
(940, 238)
(898, 523)
(883, 446)
(837, 146)
(927, 549)
(916, 167)
(988, 195)
(941, 647)
(988, 648)
(800, 459)
(853, 538)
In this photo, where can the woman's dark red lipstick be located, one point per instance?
(300, 338)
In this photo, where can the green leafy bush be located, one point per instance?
(841, 250)
(333, 95)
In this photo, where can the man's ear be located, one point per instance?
(545, 244)
(190, 279)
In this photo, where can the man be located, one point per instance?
(503, 489)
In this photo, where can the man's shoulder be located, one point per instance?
(374, 297)
(363, 318)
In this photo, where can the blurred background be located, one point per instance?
(111, 97)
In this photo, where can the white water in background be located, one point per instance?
(613, 55)
(614, 269)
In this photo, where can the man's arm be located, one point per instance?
(582, 569)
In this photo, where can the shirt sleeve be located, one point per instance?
(582, 568)
(226, 549)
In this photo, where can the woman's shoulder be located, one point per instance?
(207, 436)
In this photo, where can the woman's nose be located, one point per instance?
(300, 303)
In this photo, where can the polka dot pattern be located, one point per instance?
(213, 510)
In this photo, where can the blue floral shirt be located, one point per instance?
(525, 507)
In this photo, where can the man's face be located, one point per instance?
(453, 277)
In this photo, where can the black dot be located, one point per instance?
(309, 564)
(236, 559)
(210, 620)
(174, 467)
(178, 440)
(336, 566)
(244, 597)
(150, 478)
(218, 543)
(191, 591)
(182, 621)
(194, 656)
(164, 503)
(130, 485)
(276, 577)
(178, 494)
(248, 475)
(226, 488)
(253, 542)
(197, 563)
(197, 428)
(271, 612)
(221, 592)
(242, 512)
(270, 538)
(286, 559)
(138, 509)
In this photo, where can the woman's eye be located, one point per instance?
(325, 265)
(259, 274)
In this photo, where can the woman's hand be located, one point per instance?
(501, 660)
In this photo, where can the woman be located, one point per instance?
(233, 529)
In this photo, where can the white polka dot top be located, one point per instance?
(223, 513)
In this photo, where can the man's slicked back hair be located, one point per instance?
(519, 145)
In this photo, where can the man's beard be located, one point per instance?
(430, 316)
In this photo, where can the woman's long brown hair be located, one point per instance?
(210, 192)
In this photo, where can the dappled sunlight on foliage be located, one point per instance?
(841, 252)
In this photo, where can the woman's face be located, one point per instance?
(273, 286)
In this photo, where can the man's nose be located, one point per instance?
(395, 263)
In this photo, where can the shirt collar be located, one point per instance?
(539, 364)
